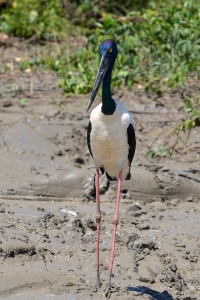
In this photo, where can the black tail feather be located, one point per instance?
(110, 178)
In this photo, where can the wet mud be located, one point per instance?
(47, 204)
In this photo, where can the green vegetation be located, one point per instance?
(38, 19)
(158, 42)
(157, 152)
(191, 106)
(23, 102)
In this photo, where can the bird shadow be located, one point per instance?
(153, 293)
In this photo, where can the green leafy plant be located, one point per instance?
(23, 102)
(158, 41)
(191, 107)
(158, 45)
(39, 19)
(192, 120)
(159, 151)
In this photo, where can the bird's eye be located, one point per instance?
(110, 50)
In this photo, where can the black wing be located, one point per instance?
(88, 137)
(131, 142)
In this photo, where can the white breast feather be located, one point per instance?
(108, 139)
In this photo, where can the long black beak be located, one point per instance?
(104, 64)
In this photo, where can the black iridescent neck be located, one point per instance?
(108, 104)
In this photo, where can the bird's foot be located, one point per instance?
(98, 285)
(107, 290)
(111, 290)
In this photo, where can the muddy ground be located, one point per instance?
(47, 206)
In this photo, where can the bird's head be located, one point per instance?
(108, 49)
(108, 54)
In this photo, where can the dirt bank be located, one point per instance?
(47, 209)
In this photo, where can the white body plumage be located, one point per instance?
(109, 139)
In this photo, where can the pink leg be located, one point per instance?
(98, 220)
(115, 222)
